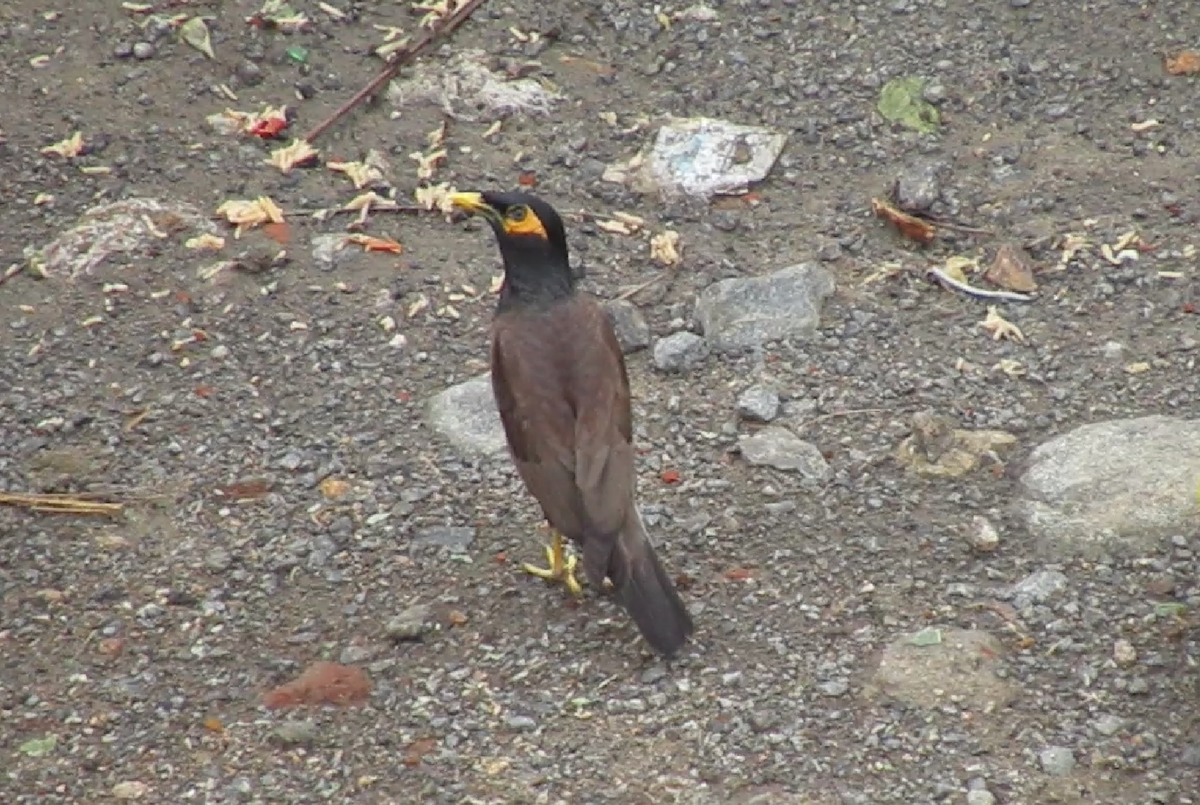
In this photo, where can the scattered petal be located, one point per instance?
(664, 248)
(435, 197)
(67, 149)
(427, 164)
(334, 488)
(196, 34)
(374, 244)
(1000, 327)
(297, 154)
(360, 173)
(910, 226)
(205, 242)
(247, 214)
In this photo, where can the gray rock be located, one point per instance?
(919, 186)
(758, 404)
(679, 352)
(741, 314)
(961, 666)
(465, 414)
(633, 333)
(520, 723)
(409, 624)
(1119, 484)
(455, 537)
(328, 250)
(778, 447)
(143, 50)
(1057, 761)
(1108, 725)
(295, 733)
(980, 796)
(1038, 588)
(834, 688)
(1190, 756)
(983, 536)
(356, 655)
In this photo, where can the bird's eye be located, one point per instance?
(517, 214)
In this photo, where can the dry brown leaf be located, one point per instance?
(374, 244)
(296, 154)
(1000, 327)
(1186, 62)
(247, 490)
(321, 683)
(1012, 270)
(664, 248)
(68, 148)
(909, 226)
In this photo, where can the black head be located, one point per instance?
(527, 229)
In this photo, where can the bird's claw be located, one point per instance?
(561, 569)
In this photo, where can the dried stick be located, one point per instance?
(397, 60)
(60, 504)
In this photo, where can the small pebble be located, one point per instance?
(1057, 761)
(409, 624)
(143, 50)
(294, 733)
(758, 404)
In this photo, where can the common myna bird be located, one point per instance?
(559, 379)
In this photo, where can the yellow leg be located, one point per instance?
(562, 565)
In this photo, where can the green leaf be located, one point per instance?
(195, 33)
(901, 101)
(1169, 609)
(297, 54)
(37, 747)
(927, 637)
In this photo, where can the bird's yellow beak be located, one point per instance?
(471, 202)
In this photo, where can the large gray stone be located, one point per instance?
(778, 447)
(465, 414)
(741, 314)
(1125, 483)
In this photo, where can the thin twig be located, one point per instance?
(60, 504)
(637, 289)
(844, 412)
(395, 62)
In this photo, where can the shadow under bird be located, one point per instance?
(558, 375)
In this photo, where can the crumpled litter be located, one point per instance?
(701, 157)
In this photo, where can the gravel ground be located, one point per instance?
(287, 503)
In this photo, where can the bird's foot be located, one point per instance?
(561, 569)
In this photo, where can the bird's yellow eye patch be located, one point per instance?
(521, 220)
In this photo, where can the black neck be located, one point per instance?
(535, 284)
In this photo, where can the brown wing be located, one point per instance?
(563, 396)
(538, 418)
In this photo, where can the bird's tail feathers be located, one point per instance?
(641, 585)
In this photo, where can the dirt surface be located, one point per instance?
(144, 644)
